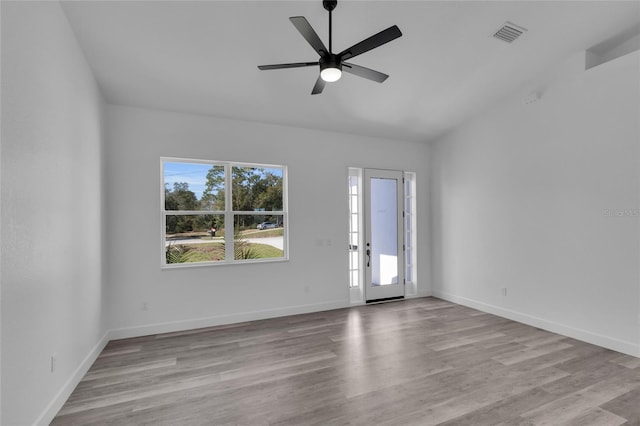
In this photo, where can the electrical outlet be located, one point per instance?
(54, 362)
(504, 291)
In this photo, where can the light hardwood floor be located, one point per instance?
(415, 362)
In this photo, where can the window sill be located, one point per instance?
(222, 263)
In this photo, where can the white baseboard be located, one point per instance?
(191, 324)
(425, 293)
(618, 345)
(63, 394)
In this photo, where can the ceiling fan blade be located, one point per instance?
(292, 65)
(309, 34)
(376, 40)
(317, 89)
(367, 73)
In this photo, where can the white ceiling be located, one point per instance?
(201, 57)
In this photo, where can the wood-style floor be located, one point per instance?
(416, 362)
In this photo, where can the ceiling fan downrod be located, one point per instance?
(329, 5)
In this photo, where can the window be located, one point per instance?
(355, 226)
(217, 212)
(410, 231)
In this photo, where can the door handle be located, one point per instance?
(368, 257)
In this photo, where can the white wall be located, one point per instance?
(522, 197)
(314, 278)
(51, 212)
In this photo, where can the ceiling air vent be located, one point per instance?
(509, 32)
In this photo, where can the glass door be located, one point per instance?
(384, 231)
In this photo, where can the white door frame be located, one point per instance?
(388, 291)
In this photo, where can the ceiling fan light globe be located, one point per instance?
(331, 74)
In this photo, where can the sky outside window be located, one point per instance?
(195, 174)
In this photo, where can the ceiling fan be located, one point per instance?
(332, 64)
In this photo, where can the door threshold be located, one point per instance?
(386, 299)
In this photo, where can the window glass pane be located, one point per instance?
(353, 241)
(354, 204)
(194, 238)
(193, 186)
(353, 184)
(353, 260)
(384, 234)
(354, 223)
(258, 236)
(257, 188)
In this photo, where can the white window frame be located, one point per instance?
(356, 289)
(411, 234)
(228, 214)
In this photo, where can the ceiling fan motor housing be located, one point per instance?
(330, 68)
(330, 61)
